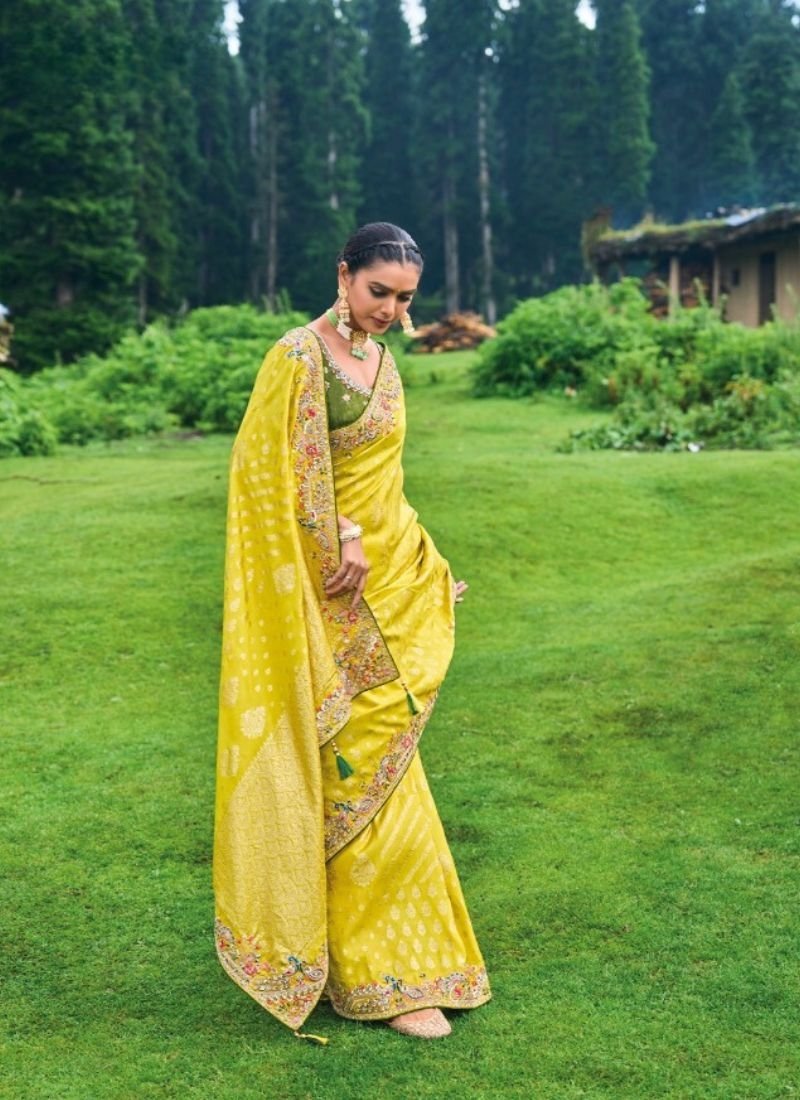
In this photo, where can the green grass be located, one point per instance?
(614, 755)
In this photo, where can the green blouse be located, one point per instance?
(345, 398)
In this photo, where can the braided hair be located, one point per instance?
(379, 241)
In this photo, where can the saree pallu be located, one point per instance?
(324, 882)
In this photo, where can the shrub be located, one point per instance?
(197, 373)
(565, 339)
(23, 429)
(692, 379)
(749, 414)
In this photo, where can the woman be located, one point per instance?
(332, 874)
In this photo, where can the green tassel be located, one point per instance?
(342, 766)
(412, 702)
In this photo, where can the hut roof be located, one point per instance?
(650, 238)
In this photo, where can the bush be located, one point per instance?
(23, 429)
(748, 414)
(197, 373)
(693, 379)
(565, 339)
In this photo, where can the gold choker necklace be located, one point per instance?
(357, 337)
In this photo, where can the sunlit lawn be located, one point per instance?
(614, 754)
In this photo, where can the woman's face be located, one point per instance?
(380, 294)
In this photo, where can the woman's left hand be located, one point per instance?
(459, 588)
(351, 574)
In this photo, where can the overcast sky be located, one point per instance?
(414, 14)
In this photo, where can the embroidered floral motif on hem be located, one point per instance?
(332, 713)
(343, 820)
(290, 993)
(357, 645)
(465, 988)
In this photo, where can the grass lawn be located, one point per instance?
(614, 755)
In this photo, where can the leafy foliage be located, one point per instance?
(562, 339)
(23, 429)
(195, 375)
(627, 149)
(146, 171)
(692, 380)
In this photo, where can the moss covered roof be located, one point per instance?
(650, 238)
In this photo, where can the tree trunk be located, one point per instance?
(333, 196)
(272, 209)
(141, 308)
(65, 292)
(256, 211)
(489, 305)
(204, 260)
(451, 264)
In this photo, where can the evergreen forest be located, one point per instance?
(146, 169)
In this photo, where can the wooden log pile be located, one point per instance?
(695, 286)
(453, 332)
(6, 332)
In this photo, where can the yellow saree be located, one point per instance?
(324, 883)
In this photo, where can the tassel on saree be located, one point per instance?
(413, 706)
(323, 1042)
(344, 768)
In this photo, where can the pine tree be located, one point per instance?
(264, 127)
(725, 28)
(548, 108)
(770, 74)
(221, 222)
(456, 38)
(671, 37)
(67, 252)
(175, 18)
(334, 130)
(154, 177)
(732, 174)
(308, 127)
(725, 172)
(389, 183)
(626, 149)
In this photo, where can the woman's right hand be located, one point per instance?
(351, 574)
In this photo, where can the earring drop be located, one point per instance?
(339, 318)
(407, 324)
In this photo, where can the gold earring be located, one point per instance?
(343, 306)
(408, 324)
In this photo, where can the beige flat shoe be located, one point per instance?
(428, 1023)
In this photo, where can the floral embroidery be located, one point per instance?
(332, 713)
(342, 375)
(359, 652)
(382, 416)
(465, 988)
(289, 992)
(346, 819)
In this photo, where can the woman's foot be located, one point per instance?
(428, 1023)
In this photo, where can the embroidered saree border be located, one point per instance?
(359, 650)
(289, 994)
(467, 987)
(350, 817)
